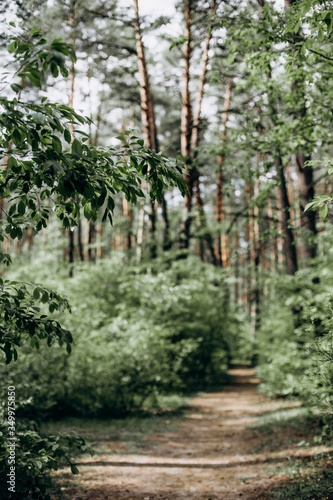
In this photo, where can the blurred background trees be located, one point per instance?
(237, 271)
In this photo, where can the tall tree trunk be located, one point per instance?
(70, 251)
(248, 194)
(191, 132)
(306, 192)
(79, 241)
(289, 245)
(99, 233)
(140, 232)
(186, 131)
(257, 258)
(236, 264)
(128, 213)
(198, 105)
(167, 243)
(147, 107)
(289, 241)
(72, 22)
(305, 183)
(149, 132)
(223, 241)
(291, 196)
(273, 246)
(91, 239)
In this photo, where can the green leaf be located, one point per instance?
(309, 205)
(21, 208)
(16, 136)
(12, 162)
(87, 210)
(77, 148)
(54, 69)
(35, 32)
(16, 87)
(67, 136)
(56, 144)
(74, 469)
(12, 47)
(323, 212)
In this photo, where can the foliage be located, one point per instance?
(295, 341)
(41, 174)
(35, 457)
(149, 335)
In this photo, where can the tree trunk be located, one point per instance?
(190, 130)
(308, 247)
(140, 232)
(236, 264)
(186, 131)
(202, 81)
(167, 243)
(273, 247)
(91, 239)
(79, 241)
(289, 240)
(70, 251)
(72, 22)
(306, 192)
(223, 240)
(128, 213)
(99, 233)
(149, 132)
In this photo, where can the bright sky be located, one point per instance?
(155, 7)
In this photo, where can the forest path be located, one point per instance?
(210, 455)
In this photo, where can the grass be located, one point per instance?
(306, 480)
(292, 428)
(132, 430)
(288, 426)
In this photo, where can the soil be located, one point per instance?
(212, 454)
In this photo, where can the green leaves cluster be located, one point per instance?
(36, 56)
(35, 457)
(46, 170)
(21, 317)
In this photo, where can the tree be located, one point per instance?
(44, 175)
(41, 168)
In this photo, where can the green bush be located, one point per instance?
(294, 344)
(35, 456)
(136, 335)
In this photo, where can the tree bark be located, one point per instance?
(190, 136)
(128, 213)
(223, 240)
(202, 81)
(186, 131)
(149, 132)
(289, 245)
(79, 241)
(91, 239)
(72, 22)
(308, 247)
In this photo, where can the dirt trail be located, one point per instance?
(208, 456)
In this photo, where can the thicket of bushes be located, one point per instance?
(137, 336)
(295, 342)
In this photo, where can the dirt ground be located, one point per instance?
(210, 455)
